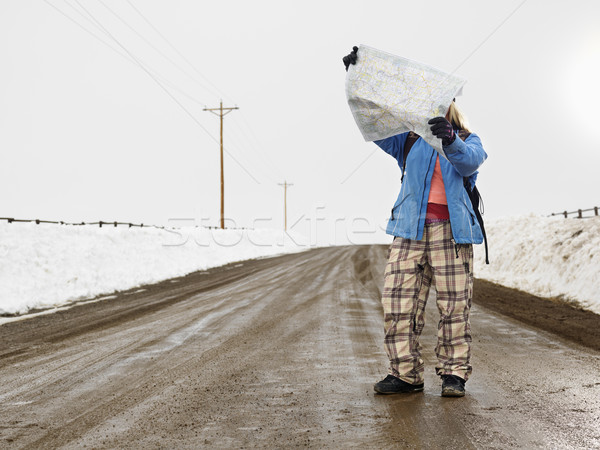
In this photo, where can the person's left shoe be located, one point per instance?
(453, 386)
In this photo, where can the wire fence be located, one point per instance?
(102, 223)
(579, 212)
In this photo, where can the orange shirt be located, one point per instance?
(437, 193)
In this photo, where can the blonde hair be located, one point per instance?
(457, 118)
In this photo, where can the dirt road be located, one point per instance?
(279, 353)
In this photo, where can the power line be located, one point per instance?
(118, 52)
(488, 36)
(156, 49)
(256, 145)
(242, 143)
(176, 50)
(161, 86)
(126, 57)
(359, 166)
(137, 63)
(142, 66)
(84, 28)
(236, 139)
(247, 141)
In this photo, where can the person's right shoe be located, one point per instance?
(394, 385)
(453, 386)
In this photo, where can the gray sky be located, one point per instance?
(86, 134)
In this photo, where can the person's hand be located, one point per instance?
(351, 58)
(442, 129)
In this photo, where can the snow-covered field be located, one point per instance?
(546, 256)
(47, 265)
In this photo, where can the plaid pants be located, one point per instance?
(411, 269)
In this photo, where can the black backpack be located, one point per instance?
(474, 195)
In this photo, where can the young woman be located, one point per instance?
(434, 227)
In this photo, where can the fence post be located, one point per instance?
(100, 223)
(115, 224)
(565, 213)
(595, 210)
(579, 215)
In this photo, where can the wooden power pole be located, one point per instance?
(285, 185)
(220, 111)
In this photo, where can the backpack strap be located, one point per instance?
(410, 140)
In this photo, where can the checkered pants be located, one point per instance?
(411, 269)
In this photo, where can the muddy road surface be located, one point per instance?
(278, 353)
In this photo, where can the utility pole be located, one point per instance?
(220, 111)
(285, 185)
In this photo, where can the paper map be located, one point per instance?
(389, 95)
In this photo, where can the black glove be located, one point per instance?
(351, 58)
(442, 129)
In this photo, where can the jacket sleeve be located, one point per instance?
(394, 146)
(466, 156)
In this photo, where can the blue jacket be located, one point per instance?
(408, 214)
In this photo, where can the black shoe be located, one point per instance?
(394, 385)
(453, 386)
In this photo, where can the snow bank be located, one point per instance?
(549, 257)
(47, 265)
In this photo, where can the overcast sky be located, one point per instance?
(86, 133)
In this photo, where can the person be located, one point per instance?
(434, 226)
